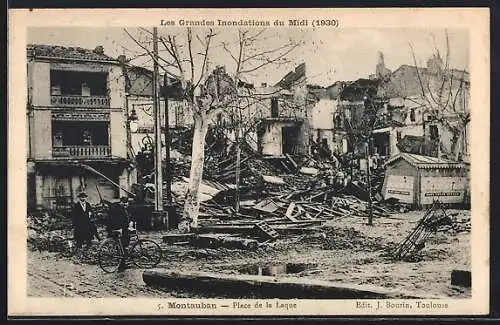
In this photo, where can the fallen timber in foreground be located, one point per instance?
(256, 286)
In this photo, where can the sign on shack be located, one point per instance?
(420, 180)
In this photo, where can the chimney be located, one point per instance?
(99, 50)
(435, 64)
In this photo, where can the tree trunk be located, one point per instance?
(192, 205)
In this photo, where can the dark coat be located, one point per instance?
(118, 217)
(81, 221)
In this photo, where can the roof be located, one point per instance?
(425, 162)
(293, 76)
(68, 53)
(357, 90)
(335, 89)
(319, 92)
(405, 80)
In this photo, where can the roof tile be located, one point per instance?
(426, 162)
(69, 53)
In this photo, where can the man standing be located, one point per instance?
(119, 218)
(80, 215)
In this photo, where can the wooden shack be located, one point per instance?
(419, 180)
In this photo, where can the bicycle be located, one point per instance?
(144, 253)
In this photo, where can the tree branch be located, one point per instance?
(205, 55)
(190, 40)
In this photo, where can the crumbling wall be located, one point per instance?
(271, 140)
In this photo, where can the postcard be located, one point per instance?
(256, 162)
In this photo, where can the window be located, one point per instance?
(78, 83)
(69, 133)
(412, 115)
(274, 107)
(434, 132)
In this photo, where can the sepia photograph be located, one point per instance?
(229, 159)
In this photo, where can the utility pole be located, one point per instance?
(238, 167)
(157, 126)
(168, 175)
(129, 135)
(370, 207)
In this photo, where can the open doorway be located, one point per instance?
(381, 143)
(290, 139)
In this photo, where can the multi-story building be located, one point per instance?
(139, 101)
(420, 110)
(77, 126)
(285, 129)
(433, 104)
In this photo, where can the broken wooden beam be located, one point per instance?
(289, 212)
(249, 229)
(252, 286)
(216, 241)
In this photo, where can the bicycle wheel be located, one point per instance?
(110, 255)
(146, 253)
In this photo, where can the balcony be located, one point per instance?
(80, 101)
(81, 151)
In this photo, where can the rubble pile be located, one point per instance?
(45, 229)
(288, 193)
(46, 221)
(460, 222)
(48, 229)
(343, 238)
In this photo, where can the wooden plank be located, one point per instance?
(290, 159)
(289, 212)
(303, 212)
(217, 240)
(234, 285)
(268, 221)
(318, 214)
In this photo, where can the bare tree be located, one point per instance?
(187, 57)
(443, 93)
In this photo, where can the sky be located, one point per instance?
(329, 54)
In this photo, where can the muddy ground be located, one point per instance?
(352, 253)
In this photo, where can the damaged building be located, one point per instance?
(300, 115)
(419, 110)
(76, 126)
(432, 103)
(286, 129)
(139, 103)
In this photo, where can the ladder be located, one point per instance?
(429, 223)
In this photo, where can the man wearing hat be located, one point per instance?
(119, 218)
(80, 215)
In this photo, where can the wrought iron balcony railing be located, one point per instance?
(81, 151)
(80, 101)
